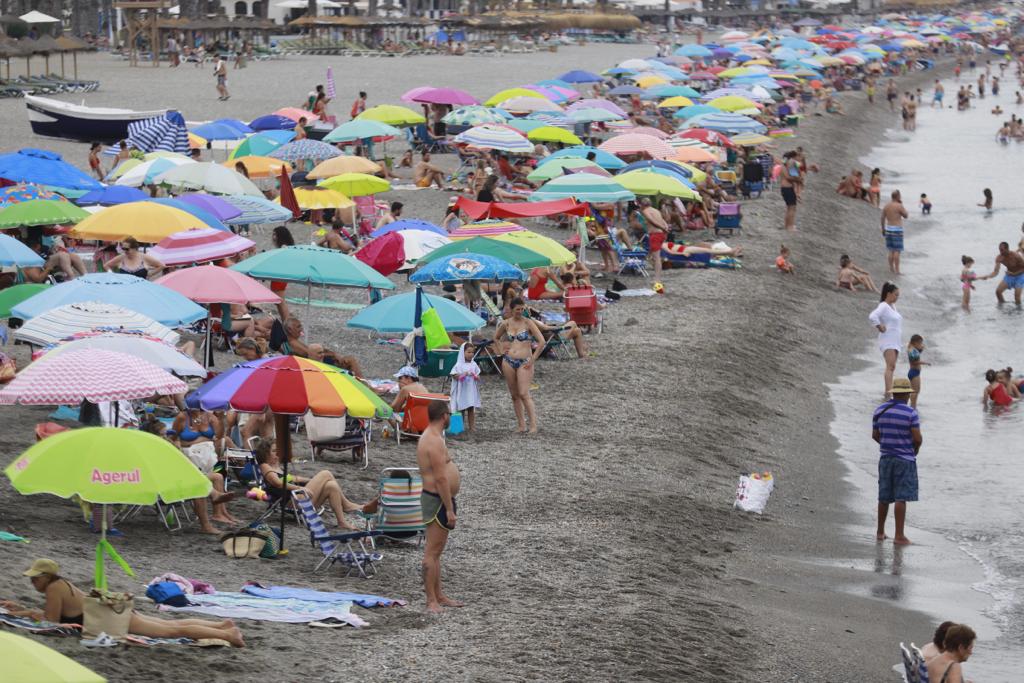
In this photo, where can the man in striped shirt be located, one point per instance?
(897, 429)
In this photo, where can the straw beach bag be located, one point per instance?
(107, 612)
(243, 543)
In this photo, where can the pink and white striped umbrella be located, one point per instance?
(93, 375)
(216, 285)
(200, 245)
(637, 143)
(647, 130)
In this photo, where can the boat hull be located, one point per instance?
(78, 123)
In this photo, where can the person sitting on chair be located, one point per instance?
(295, 346)
(408, 383)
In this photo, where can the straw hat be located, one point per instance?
(902, 386)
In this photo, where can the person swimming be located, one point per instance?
(988, 199)
(995, 392)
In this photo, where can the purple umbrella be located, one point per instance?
(452, 96)
(272, 122)
(409, 224)
(212, 205)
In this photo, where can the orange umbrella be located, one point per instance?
(692, 155)
(260, 167)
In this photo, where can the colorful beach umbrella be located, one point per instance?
(88, 316)
(215, 206)
(14, 295)
(473, 116)
(13, 252)
(43, 167)
(313, 266)
(522, 257)
(150, 349)
(272, 122)
(547, 247)
(356, 184)
(111, 196)
(190, 208)
(565, 166)
(41, 212)
(146, 221)
(509, 93)
(488, 228)
(260, 167)
(392, 115)
(218, 131)
(362, 129)
(343, 164)
(449, 96)
(294, 113)
(604, 159)
(580, 76)
(490, 136)
(467, 266)
(260, 144)
(200, 245)
(726, 122)
(399, 250)
(255, 210)
(298, 150)
(635, 143)
(749, 139)
(649, 182)
(583, 187)
(145, 172)
(213, 284)
(319, 198)
(397, 315)
(553, 134)
(526, 105)
(408, 224)
(28, 661)
(23, 192)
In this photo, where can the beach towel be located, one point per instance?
(290, 610)
(146, 641)
(46, 628)
(310, 595)
(7, 536)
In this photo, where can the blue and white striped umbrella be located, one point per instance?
(726, 122)
(305, 149)
(493, 137)
(165, 133)
(255, 210)
(552, 119)
(584, 187)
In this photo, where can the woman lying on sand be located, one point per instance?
(64, 606)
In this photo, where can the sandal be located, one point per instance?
(102, 640)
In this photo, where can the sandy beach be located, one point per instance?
(605, 548)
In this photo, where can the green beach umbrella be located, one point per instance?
(312, 266)
(584, 187)
(556, 169)
(41, 212)
(12, 296)
(362, 129)
(553, 134)
(526, 125)
(510, 253)
(108, 466)
(392, 115)
(474, 115)
(644, 182)
(356, 184)
(256, 146)
(27, 661)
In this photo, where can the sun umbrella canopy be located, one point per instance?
(41, 212)
(256, 210)
(28, 661)
(150, 349)
(580, 76)
(489, 136)
(392, 115)
(584, 187)
(732, 103)
(312, 265)
(90, 375)
(525, 125)
(555, 252)
(356, 184)
(636, 143)
(146, 172)
(565, 166)
(294, 113)
(450, 96)
(187, 207)
(317, 198)
(213, 284)
(649, 182)
(305, 149)
(693, 155)
(23, 192)
(408, 224)
(509, 93)
(14, 295)
(200, 245)
(215, 206)
(15, 253)
(553, 134)
(111, 195)
(693, 51)
(467, 266)
(272, 122)
(260, 167)
(146, 221)
(209, 177)
(675, 102)
(522, 257)
(44, 168)
(604, 159)
(726, 122)
(134, 293)
(289, 385)
(473, 116)
(218, 131)
(524, 105)
(660, 91)
(88, 316)
(362, 129)
(398, 250)
(261, 144)
(694, 110)
(397, 315)
(750, 139)
(340, 165)
(104, 465)
(607, 105)
(486, 228)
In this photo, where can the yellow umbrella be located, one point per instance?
(825, 60)
(650, 81)
(735, 71)
(122, 168)
(696, 175)
(392, 114)
(673, 102)
(145, 221)
(343, 164)
(196, 142)
(356, 184)
(317, 198)
(694, 155)
(27, 661)
(733, 103)
(759, 62)
(260, 167)
(553, 134)
(509, 93)
(749, 139)
(646, 182)
(545, 246)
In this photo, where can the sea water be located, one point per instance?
(969, 542)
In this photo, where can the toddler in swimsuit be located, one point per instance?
(967, 278)
(914, 351)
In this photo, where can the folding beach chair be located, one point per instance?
(485, 356)
(439, 364)
(368, 212)
(425, 142)
(633, 260)
(338, 434)
(581, 307)
(399, 515)
(910, 671)
(240, 466)
(348, 549)
(728, 218)
(727, 180)
(414, 419)
(557, 346)
(753, 179)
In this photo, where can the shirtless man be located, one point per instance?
(893, 214)
(1014, 278)
(440, 486)
(427, 173)
(657, 231)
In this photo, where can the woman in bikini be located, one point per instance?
(956, 649)
(517, 336)
(132, 261)
(65, 605)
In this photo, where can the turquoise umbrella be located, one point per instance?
(260, 145)
(313, 266)
(584, 187)
(695, 110)
(362, 129)
(397, 315)
(602, 158)
(662, 91)
(525, 125)
(475, 115)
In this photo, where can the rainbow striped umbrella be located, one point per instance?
(484, 229)
(289, 385)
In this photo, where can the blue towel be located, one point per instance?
(64, 413)
(286, 592)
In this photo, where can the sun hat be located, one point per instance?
(407, 371)
(42, 566)
(902, 386)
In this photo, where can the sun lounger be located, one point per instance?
(347, 549)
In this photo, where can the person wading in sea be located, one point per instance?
(897, 429)
(893, 214)
(1014, 278)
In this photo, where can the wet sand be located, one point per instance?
(604, 548)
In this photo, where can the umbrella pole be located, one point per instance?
(284, 453)
(208, 353)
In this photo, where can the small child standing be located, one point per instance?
(782, 261)
(987, 204)
(914, 351)
(926, 204)
(967, 278)
(465, 394)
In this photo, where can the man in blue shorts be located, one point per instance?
(897, 429)
(893, 214)
(1014, 278)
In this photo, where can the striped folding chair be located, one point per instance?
(399, 515)
(347, 549)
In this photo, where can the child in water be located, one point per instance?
(914, 351)
(782, 261)
(967, 278)
(925, 204)
(988, 199)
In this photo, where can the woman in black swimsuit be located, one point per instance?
(132, 261)
(64, 605)
(956, 649)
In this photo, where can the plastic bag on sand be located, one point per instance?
(753, 491)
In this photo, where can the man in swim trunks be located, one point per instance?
(427, 173)
(1014, 278)
(893, 214)
(657, 231)
(790, 181)
(440, 486)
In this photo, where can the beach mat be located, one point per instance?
(145, 641)
(46, 628)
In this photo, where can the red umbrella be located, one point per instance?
(385, 254)
(708, 137)
(288, 199)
